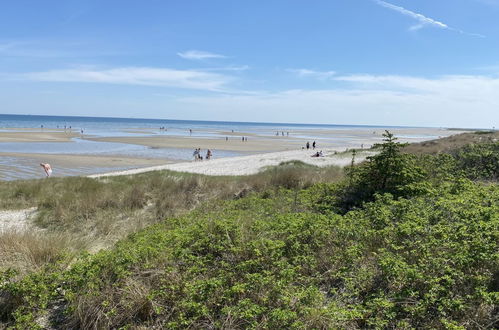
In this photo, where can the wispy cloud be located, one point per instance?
(312, 73)
(229, 68)
(50, 49)
(422, 20)
(164, 77)
(199, 55)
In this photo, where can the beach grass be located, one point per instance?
(80, 213)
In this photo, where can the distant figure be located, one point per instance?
(287, 133)
(242, 138)
(82, 131)
(308, 145)
(190, 131)
(41, 126)
(226, 138)
(362, 146)
(196, 154)
(208, 154)
(282, 133)
(47, 168)
(313, 145)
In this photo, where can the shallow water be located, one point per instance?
(14, 168)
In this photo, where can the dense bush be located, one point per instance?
(478, 161)
(417, 249)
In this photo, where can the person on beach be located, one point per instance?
(313, 145)
(196, 154)
(308, 145)
(47, 168)
(208, 154)
(318, 154)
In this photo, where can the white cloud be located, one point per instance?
(199, 55)
(188, 79)
(423, 20)
(449, 101)
(312, 73)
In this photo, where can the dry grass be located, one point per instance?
(31, 249)
(452, 142)
(79, 213)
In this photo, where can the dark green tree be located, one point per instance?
(389, 171)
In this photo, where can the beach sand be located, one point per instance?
(38, 136)
(251, 164)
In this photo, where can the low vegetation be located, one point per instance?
(400, 241)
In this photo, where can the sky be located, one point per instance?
(362, 62)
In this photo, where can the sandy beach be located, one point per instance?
(261, 148)
(339, 139)
(251, 164)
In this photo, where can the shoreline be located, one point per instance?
(166, 150)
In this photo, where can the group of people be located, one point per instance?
(307, 145)
(197, 154)
(318, 153)
(282, 133)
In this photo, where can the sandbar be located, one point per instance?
(38, 136)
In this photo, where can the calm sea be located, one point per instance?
(106, 125)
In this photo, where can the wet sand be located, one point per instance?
(341, 138)
(38, 136)
(26, 166)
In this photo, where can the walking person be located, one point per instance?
(313, 145)
(47, 168)
(308, 145)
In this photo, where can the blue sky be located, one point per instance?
(399, 62)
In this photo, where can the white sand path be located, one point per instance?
(246, 165)
(15, 219)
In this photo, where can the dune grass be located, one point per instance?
(77, 214)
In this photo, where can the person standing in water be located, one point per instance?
(47, 168)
